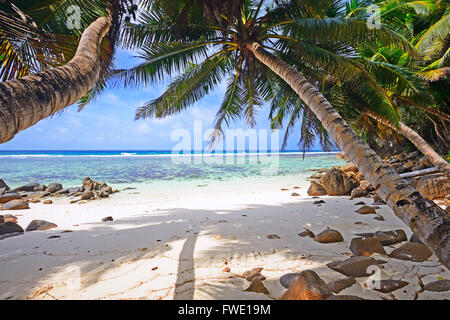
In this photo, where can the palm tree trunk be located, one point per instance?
(25, 101)
(424, 217)
(416, 139)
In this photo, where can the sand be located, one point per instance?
(175, 247)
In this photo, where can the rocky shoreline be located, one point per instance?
(19, 199)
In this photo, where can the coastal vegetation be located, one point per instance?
(320, 66)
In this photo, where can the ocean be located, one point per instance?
(131, 167)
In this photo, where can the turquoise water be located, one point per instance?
(132, 167)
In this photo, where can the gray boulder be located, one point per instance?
(9, 227)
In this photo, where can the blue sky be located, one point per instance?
(108, 123)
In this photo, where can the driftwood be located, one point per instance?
(419, 173)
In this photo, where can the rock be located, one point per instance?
(365, 185)
(308, 286)
(40, 225)
(316, 189)
(438, 286)
(412, 155)
(258, 287)
(9, 218)
(387, 286)
(338, 285)
(412, 251)
(379, 218)
(87, 195)
(87, 183)
(415, 238)
(250, 274)
(366, 246)
(102, 194)
(40, 187)
(336, 183)
(108, 190)
(349, 167)
(329, 236)
(3, 191)
(9, 196)
(9, 227)
(53, 187)
(273, 236)
(355, 266)
(48, 202)
(255, 277)
(105, 219)
(16, 205)
(377, 200)
(3, 184)
(387, 238)
(361, 203)
(318, 202)
(28, 187)
(226, 269)
(432, 186)
(358, 193)
(307, 233)
(295, 194)
(345, 297)
(366, 210)
(287, 280)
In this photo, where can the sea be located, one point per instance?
(160, 169)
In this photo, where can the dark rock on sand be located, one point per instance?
(366, 210)
(329, 236)
(308, 286)
(379, 218)
(387, 238)
(258, 287)
(295, 194)
(53, 187)
(288, 279)
(338, 285)
(412, 251)
(377, 200)
(273, 236)
(390, 285)
(366, 246)
(336, 182)
(361, 203)
(48, 202)
(318, 202)
(105, 219)
(438, 286)
(9, 227)
(358, 193)
(9, 196)
(28, 187)
(40, 187)
(250, 274)
(316, 189)
(359, 266)
(16, 205)
(307, 233)
(40, 225)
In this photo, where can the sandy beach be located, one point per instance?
(177, 246)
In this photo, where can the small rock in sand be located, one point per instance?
(366, 246)
(273, 236)
(288, 279)
(250, 274)
(318, 202)
(438, 286)
(258, 287)
(307, 233)
(40, 225)
(355, 266)
(226, 269)
(48, 202)
(412, 251)
(358, 193)
(361, 203)
(105, 219)
(366, 210)
(294, 194)
(387, 286)
(387, 238)
(308, 286)
(316, 189)
(379, 218)
(338, 285)
(329, 236)
(16, 205)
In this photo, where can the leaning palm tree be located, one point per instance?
(48, 65)
(239, 50)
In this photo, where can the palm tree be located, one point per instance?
(238, 49)
(45, 69)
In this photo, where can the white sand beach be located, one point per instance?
(176, 247)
